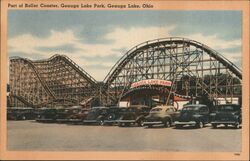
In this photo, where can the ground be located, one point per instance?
(30, 135)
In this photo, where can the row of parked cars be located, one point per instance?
(196, 115)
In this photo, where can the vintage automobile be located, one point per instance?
(102, 115)
(193, 114)
(21, 113)
(133, 115)
(112, 115)
(64, 114)
(96, 115)
(78, 117)
(227, 114)
(46, 114)
(161, 115)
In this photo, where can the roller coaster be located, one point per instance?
(193, 68)
(55, 81)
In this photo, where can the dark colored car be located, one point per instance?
(96, 115)
(133, 115)
(112, 115)
(61, 115)
(227, 114)
(161, 115)
(46, 114)
(21, 113)
(194, 114)
(77, 118)
(64, 114)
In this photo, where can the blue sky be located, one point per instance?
(97, 39)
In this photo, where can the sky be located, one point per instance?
(96, 40)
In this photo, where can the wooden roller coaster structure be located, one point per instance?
(194, 69)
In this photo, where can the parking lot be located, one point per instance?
(34, 136)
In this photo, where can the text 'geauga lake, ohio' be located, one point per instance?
(81, 5)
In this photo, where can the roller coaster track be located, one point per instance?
(82, 72)
(24, 101)
(116, 69)
(76, 67)
(32, 65)
(45, 86)
(110, 89)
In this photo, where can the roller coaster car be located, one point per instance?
(194, 114)
(46, 114)
(133, 115)
(227, 114)
(161, 115)
(20, 113)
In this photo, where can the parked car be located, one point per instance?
(227, 114)
(133, 115)
(112, 115)
(193, 114)
(96, 115)
(161, 115)
(20, 113)
(46, 114)
(61, 115)
(64, 114)
(78, 117)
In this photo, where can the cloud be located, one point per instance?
(214, 42)
(94, 24)
(34, 56)
(230, 49)
(120, 50)
(128, 38)
(101, 58)
(233, 50)
(97, 59)
(67, 48)
(238, 61)
(29, 44)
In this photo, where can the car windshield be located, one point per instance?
(227, 108)
(156, 110)
(190, 108)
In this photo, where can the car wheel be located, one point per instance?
(200, 124)
(141, 123)
(101, 122)
(214, 126)
(150, 126)
(121, 124)
(111, 116)
(237, 125)
(167, 123)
